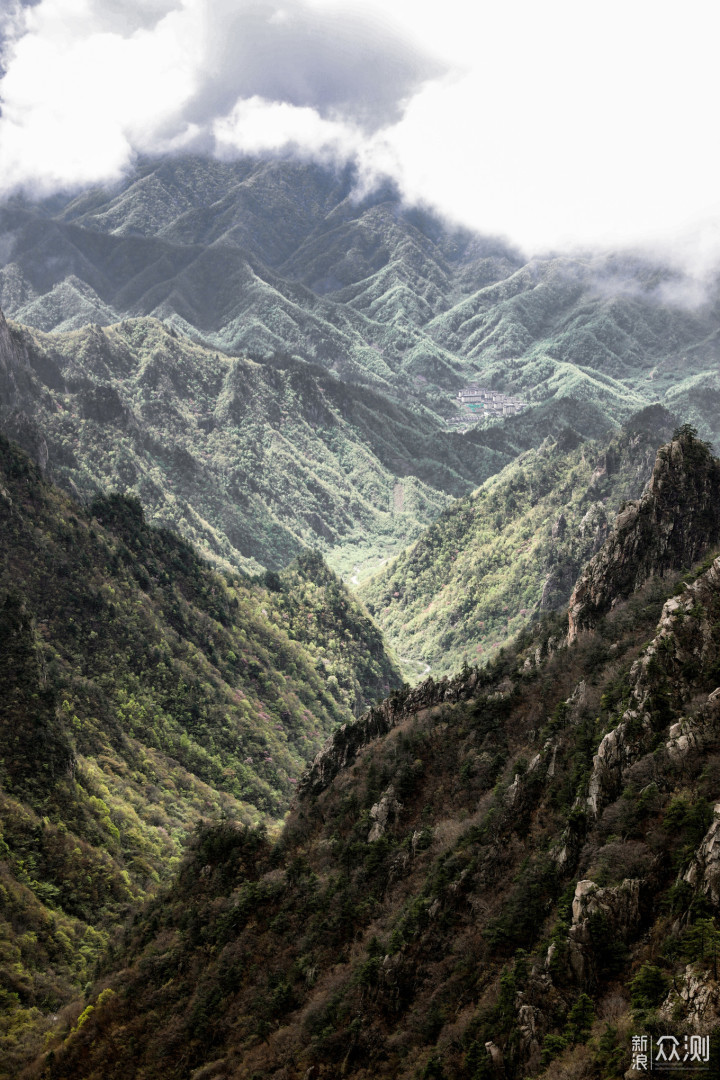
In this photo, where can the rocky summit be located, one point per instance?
(671, 526)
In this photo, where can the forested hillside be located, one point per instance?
(272, 256)
(508, 873)
(514, 548)
(140, 692)
(229, 408)
(253, 461)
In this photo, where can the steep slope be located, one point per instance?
(670, 527)
(511, 549)
(252, 461)
(139, 693)
(504, 874)
(270, 256)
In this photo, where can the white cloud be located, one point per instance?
(553, 123)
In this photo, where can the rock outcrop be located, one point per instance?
(665, 676)
(618, 908)
(383, 813)
(16, 377)
(697, 999)
(704, 871)
(341, 750)
(14, 370)
(674, 523)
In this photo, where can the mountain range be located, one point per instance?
(344, 731)
(267, 256)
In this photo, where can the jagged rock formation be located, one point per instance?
(697, 997)
(619, 910)
(704, 872)
(16, 386)
(686, 643)
(8, 362)
(670, 527)
(383, 813)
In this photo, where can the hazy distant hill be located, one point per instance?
(280, 255)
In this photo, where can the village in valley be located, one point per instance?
(478, 402)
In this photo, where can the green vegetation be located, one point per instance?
(263, 365)
(362, 318)
(142, 692)
(268, 256)
(512, 549)
(252, 461)
(412, 947)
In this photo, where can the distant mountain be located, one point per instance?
(313, 347)
(505, 874)
(253, 461)
(140, 693)
(268, 256)
(246, 256)
(512, 549)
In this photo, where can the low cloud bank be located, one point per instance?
(555, 126)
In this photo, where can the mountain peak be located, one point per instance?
(671, 526)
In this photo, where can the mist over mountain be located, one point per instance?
(230, 419)
(282, 265)
(263, 255)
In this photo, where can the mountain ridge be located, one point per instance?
(260, 256)
(670, 527)
(514, 547)
(444, 902)
(253, 460)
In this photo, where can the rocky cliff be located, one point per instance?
(16, 388)
(670, 527)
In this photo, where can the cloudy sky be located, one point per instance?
(551, 122)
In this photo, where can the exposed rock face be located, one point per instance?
(615, 752)
(14, 369)
(670, 527)
(620, 908)
(704, 871)
(15, 379)
(699, 998)
(383, 813)
(685, 641)
(23, 430)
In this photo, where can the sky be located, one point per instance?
(552, 123)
